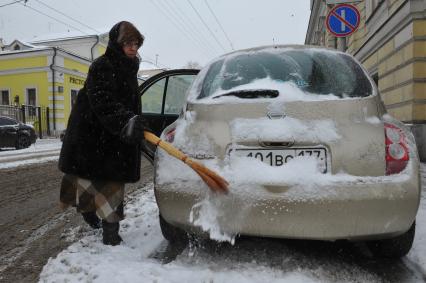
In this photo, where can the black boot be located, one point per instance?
(92, 219)
(110, 233)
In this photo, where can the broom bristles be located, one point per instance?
(213, 185)
(211, 178)
(200, 167)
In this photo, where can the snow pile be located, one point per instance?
(288, 91)
(206, 214)
(173, 170)
(44, 150)
(418, 251)
(41, 145)
(289, 129)
(373, 120)
(31, 161)
(136, 259)
(309, 186)
(142, 256)
(194, 144)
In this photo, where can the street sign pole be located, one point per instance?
(336, 2)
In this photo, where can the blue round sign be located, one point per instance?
(343, 20)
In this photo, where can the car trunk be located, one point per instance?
(349, 130)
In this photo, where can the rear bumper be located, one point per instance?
(366, 209)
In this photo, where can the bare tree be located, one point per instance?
(192, 65)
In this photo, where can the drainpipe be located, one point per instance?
(93, 47)
(53, 88)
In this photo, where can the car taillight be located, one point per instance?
(396, 149)
(170, 135)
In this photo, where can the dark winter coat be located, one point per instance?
(92, 148)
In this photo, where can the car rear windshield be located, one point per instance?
(315, 72)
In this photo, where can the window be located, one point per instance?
(31, 101)
(176, 93)
(314, 72)
(152, 99)
(74, 93)
(31, 96)
(16, 47)
(4, 97)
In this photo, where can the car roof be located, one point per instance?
(9, 118)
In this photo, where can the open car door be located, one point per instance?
(163, 97)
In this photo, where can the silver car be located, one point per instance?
(304, 140)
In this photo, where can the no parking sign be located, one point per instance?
(343, 20)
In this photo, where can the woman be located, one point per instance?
(101, 150)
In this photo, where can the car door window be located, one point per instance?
(162, 99)
(152, 99)
(176, 93)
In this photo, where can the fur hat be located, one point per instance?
(128, 32)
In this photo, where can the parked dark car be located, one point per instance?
(16, 134)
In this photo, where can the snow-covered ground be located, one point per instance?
(418, 252)
(43, 150)
(136, 260)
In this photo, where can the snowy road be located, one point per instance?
(31, 222)
(43, 150)
(146, 257)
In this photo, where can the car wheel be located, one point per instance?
(23, 142)
(172, 233)
(394, 247)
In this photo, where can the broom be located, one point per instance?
(215, 182)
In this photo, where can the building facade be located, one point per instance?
(391, 44)
(47, 73)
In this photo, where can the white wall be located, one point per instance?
(79, 46)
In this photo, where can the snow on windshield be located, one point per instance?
(318, 73)
(288, 91)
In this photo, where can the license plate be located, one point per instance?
(279, 157)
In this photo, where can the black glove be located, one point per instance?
(132, 132)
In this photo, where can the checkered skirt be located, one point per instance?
(104, 197)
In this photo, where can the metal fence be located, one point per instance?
(37, 116)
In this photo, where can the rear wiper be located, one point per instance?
(252, 93)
